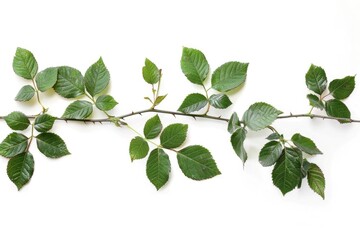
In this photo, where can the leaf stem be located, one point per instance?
(38, 96)
(156, 92)
(207, 97)
(94, 102)
(31, 137)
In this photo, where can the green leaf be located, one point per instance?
(105, 102)
(138, 149)
(342, 88)
(159, 99)
(70, 83)
(260, 115)
(51, 145)
(151, 73)
(220, 101)
(305, 165)
(237, 142)
(44, 123)
(26, 93)
(194, 65)
(287, 171)
(79, 109)
(96, 78)
(152, 127)
(13, 144)
(229, 76)
(336, 108)
(20, 169)
(197, 163)
(24, 64)
(316, 79)
(315, 101)
(193, 102)
(234, 123)
(305, 144)
(273, 136)
(316, 180)
(17, 121)
(158, 168)
(46, 79)
(173, 135)
(270, 153)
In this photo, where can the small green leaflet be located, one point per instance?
(17, 121)
(287, 171)
(20, 169)
(273, 136)
(316, 179)
(194, 65)
(159, 99)
(270, 153)
(234, 123)
(342, 88)
(138, 149)
(51, 145)
(13, 144)
(305, 144)
(151, 73)
(70, 83)
(152, 127)
(24, 64)
(237, 142)
(316, 80)
(26, 93)
(260, 115)
(193, 102)
(220, 101)
(158, 168)
(229, 76)
(105, 102)
(197, 163)
(173, 135)
(44, 122)
(96, 78)
(80, 109)
(46, 79)
(315, 101)
(336, 108)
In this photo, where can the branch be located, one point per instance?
(195, 116)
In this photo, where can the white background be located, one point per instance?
(97, 193)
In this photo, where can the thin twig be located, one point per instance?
(195, 116)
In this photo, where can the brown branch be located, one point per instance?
(195, 116)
